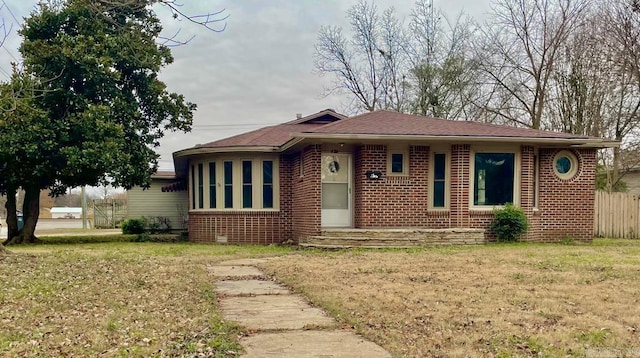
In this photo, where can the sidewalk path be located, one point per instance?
(281, 324)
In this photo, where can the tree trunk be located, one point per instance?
(12, 218)
(30, 213)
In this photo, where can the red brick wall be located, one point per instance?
(306, 195)
(238, 227)
(567, 206)
(248, 227)
(394, 201)
(460, 185)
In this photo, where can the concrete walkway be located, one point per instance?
(281, 324)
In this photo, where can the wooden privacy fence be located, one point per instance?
(109, 213)
(617, 215)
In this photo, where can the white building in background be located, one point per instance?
(66, 212)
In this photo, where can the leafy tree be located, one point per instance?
(98, 108)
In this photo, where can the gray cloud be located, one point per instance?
(259, 71)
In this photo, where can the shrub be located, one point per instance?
(509, 223)
(158, 224)
(133, 226)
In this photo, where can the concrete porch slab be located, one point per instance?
(235, 271)
(250, 287)
(273, 312)
(300, 344)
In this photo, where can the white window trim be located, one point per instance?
(257, 183)
(447, 178)
(404, 150)
(575, 164)
(517, 173)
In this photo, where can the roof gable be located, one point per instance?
(323, 117)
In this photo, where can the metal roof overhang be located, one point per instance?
(180, 158)
(585, 142)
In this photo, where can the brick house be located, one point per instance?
(384, 175)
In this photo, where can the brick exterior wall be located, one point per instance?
(393, 201)
(306, 195)
(565, 207)
(236, 227)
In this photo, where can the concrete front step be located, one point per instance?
(400, 238)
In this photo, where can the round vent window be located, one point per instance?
(565, 165)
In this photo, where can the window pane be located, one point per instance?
(397, 163)
(439, 166)
(247, 200)
(267, 172)
(493, 178)
(247, 181)
(228, 172)
(335, 196)
(212, 185)
(193, 187)
(267, 184)
(246, 172)
(563, 165)
(438, 194)
(267, 196)
(200, 187)
(228, 185)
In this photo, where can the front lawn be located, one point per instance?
(146, 299)
(513, 300)
(115, 299)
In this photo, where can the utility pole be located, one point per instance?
(84, 207)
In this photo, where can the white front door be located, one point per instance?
(336, 190)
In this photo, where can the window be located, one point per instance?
(565, 165)
(267, 184)
(200, 187)
(493, 178)
(228, 184)
(212, 185)
(535, 179)
(439, 179)
(247, 184)
(235, 183)
(397, 162)
(193, 186)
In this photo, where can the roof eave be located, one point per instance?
(574, 142)
(228, 149)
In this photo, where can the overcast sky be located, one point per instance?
(257, 72)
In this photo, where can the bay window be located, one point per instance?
(234, 183)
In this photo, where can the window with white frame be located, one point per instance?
(494, 178)
(235, 184)
(397, 161)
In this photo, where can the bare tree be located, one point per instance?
(370, 66)
(443, 71)
(518, 53)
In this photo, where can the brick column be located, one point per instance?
(460, 156)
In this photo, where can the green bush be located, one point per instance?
(157, 224)
(509, 224)
(133, 226)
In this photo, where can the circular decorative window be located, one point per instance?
(334, 167)
(565, 165)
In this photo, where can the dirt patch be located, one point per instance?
(503, 300)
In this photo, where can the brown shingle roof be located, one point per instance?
(273, 136)
(384, 122)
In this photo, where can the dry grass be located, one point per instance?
(115, 299)
(499, 300)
